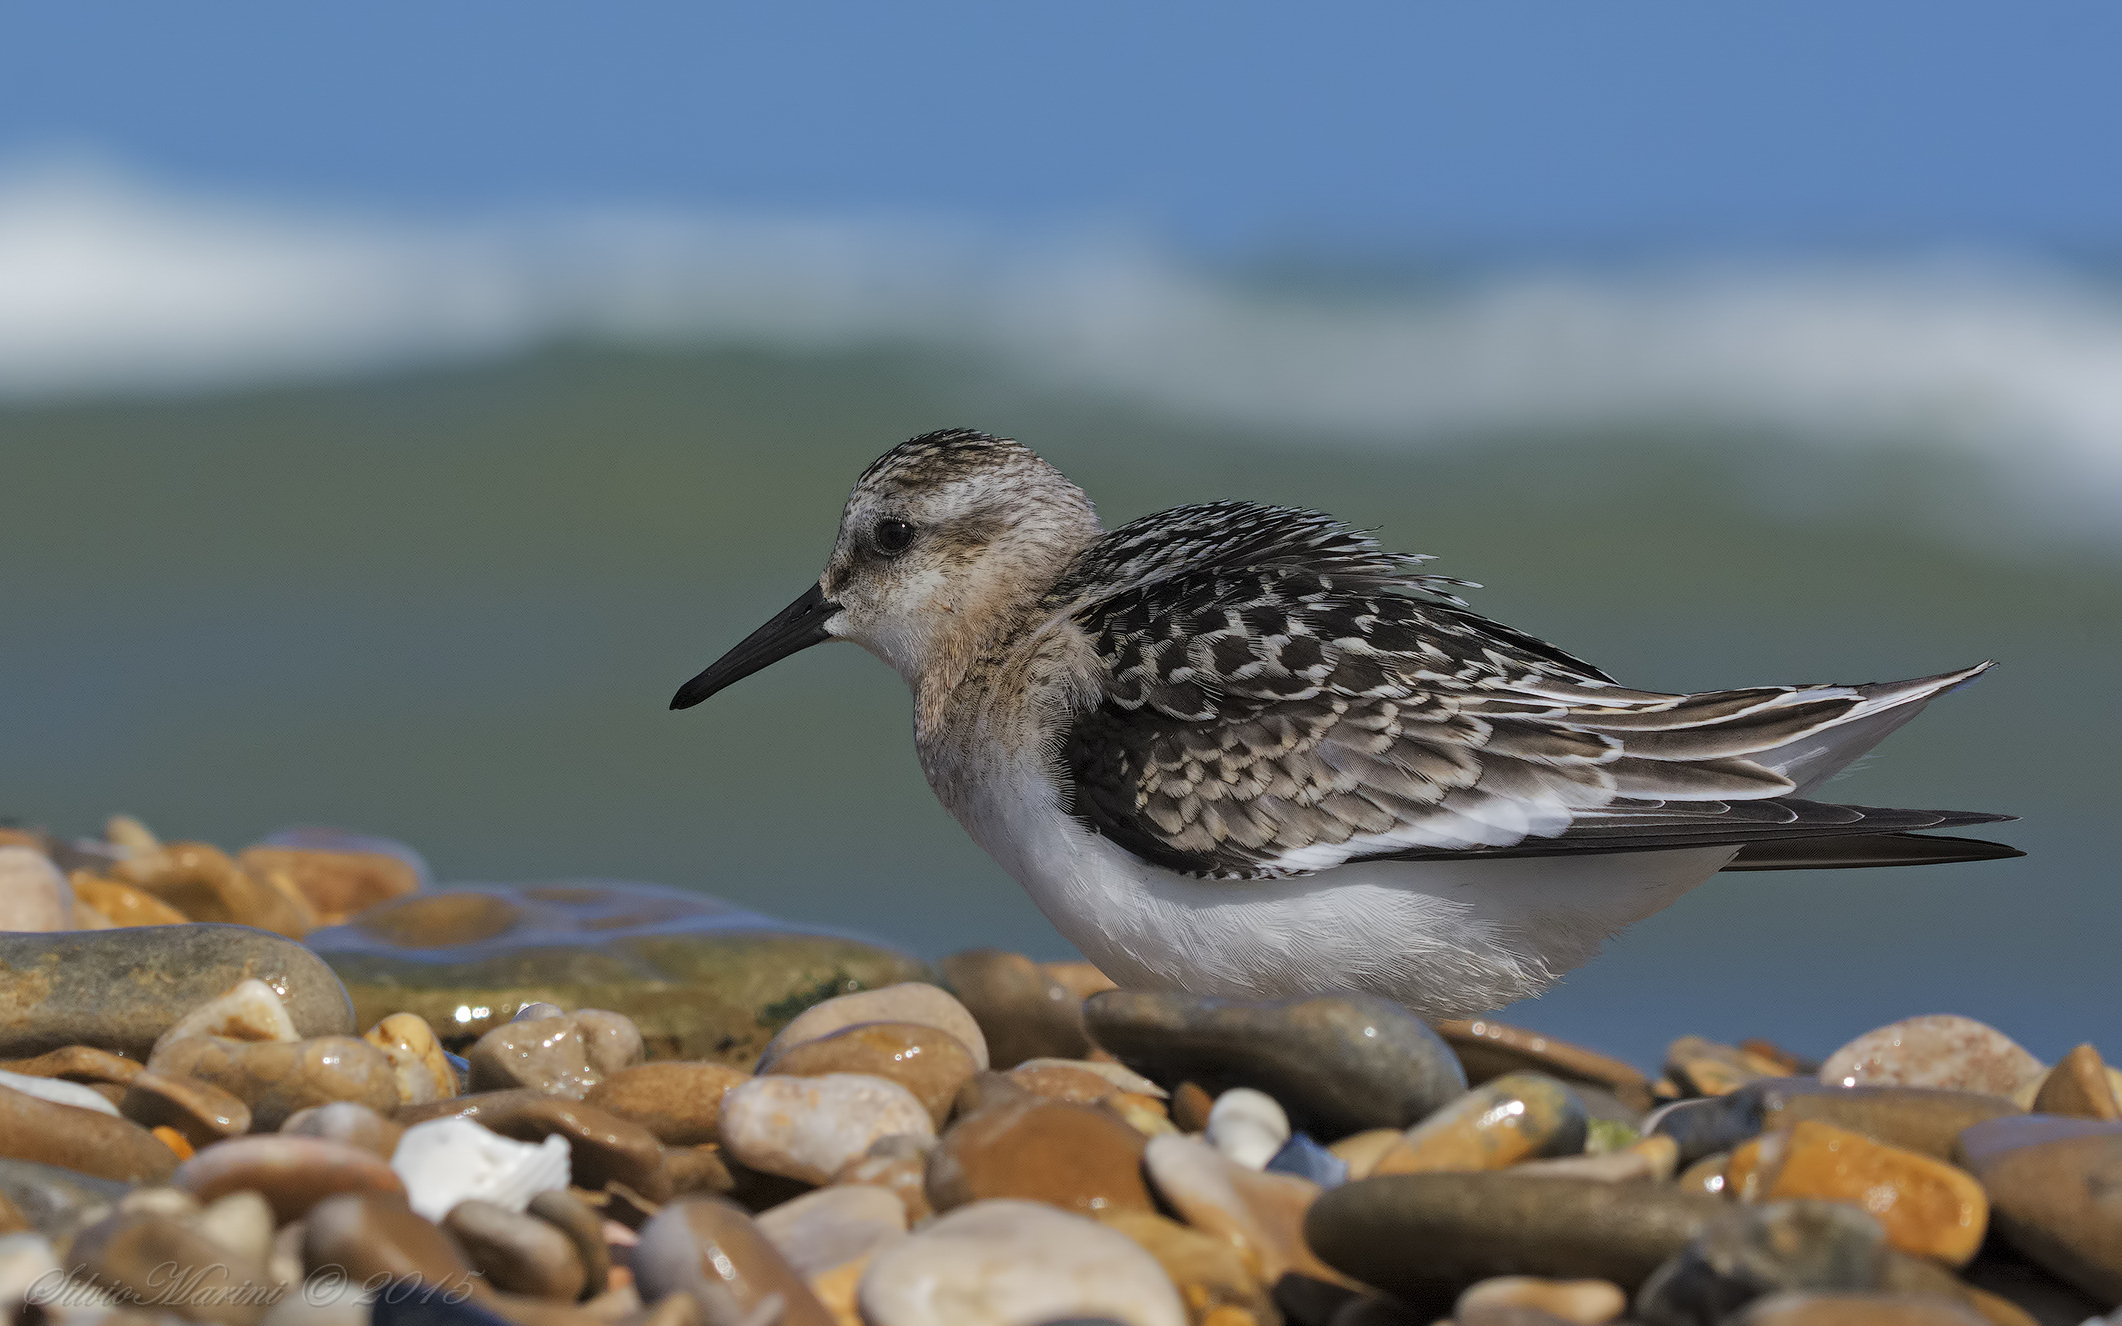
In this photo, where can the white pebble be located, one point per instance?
(249, 1010)
(58, 1091)
(1248, 1126)
(446, 1161)
(33, 894)
(808, 1127)
(1012, 1263)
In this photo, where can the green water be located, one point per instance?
(452, 607)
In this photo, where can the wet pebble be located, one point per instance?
(565, 1055)
(1925, 1206)
(1016, 1262)
(250, 1010)
(292, 1173)
(121, 989)
(807, 1128)
(422, 1065)
(518, 1253)
(1488, 1049)
(1923, 1119)
(200, 1111)
(908, 1001)
(1516, 1117)
(277, 1078)
(1023, 1011)
(77, 1063)
(679, 1101)
(71, 1137)
(1338, 1064)
(1936, 1050)
(1073, 1156)
(927, 1061)
(712, 1250)
(1474, 1226)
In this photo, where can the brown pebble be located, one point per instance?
(1081, 979)
(604, 1147)
(1806, 1309)
(1588, 1302)
(1062, 1081)
(424, 1070)
(1211, 1274)
(377, 1235)
(677, 1100)
(583, 1227)
(929, 1062)
(146, 1254)
(2079, 1085)
(1071, 1156)
(277, 1078)
(711, 1248)
(292, 1173)
(77, 1063)
(699, 1168)
(122, 904)
(1191, 1103)
(1260, 1214)
(1023, 1012)
(347, 1121)
(905, 1176)
(565, 1055)
(985, 1091)
(1488, 1049)
(199, 880)
(1924, 1119)
(335, 884)
(517, 1253)
(201, 1111)
(89, 1141)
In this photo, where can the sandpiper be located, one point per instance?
(1239, 749)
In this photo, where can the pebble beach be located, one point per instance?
(300, 1085)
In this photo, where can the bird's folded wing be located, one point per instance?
(1277, 696)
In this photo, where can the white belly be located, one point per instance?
(1445, 938)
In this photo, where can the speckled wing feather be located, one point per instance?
(1280, 696)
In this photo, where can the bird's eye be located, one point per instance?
(893, 537)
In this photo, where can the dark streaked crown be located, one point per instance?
(948, 454)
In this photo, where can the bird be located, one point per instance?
(1240, 750)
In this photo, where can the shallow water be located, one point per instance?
(452, 608)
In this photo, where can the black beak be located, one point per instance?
(796, 627)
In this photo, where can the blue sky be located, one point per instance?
(1221, 127)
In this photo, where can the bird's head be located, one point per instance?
(943, 541)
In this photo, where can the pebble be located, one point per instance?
(1589, 1302)
(1338, 1064)
(1923, 1119)
(201, 881)
(414, 1051)
(1925, 1206)
(77, 1063)
(927, 1061)
(1651, 1160)
(1488, 1049)
(1708, 1068)
(908, 1001)
(164, 1260)
(200, 1111)
(701, 978)
(807, 1128)
(1211, 1275)
(335, 884)
(90, 1141)
(517, 1253)
(1720, 1123)
(378, 1235)
(584, 1228)
(2052, 1185)
(1936, 1050)
(604, 1147)
(121, 989)
(58, 1090)
(1516, 1117)
(1064, 1079)
(1247, 1126)
(1077, 1157)
(1753, 1252)
(711, 1249)
(1306, 1159)
(292, 1173)
(1017, 1262)
(446, 1161)
(1262, 1215)
(2079, 1085)
(1023, 1011)
(249, 1010)
(34, 896)
(1119, 1076)
(899, 1165)
(831, 1227)
(242, 1222)
(1797, 1309)
(679, 1101)
(563, 1056)
(347, 1121)
(56, 1201)
(122, 904)
(1362, 1151)
(277, 1078)
(1474, 1226)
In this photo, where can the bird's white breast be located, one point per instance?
(1446, 938)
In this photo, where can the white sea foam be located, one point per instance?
(107, 285)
